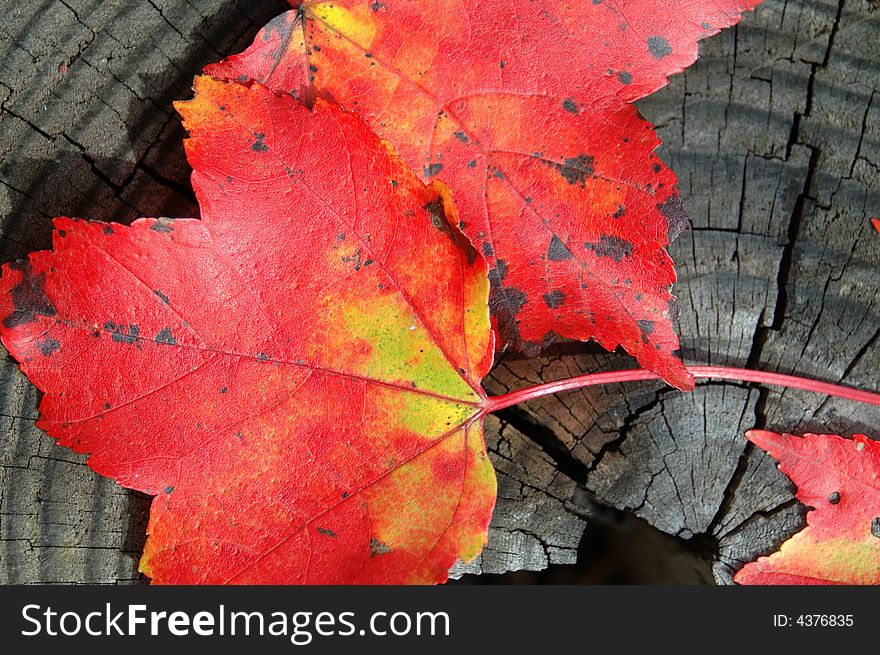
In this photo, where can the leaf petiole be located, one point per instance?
(494, 403)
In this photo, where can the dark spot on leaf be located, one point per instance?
(62, 233)
(569, 105)
(676, 219)
(262, 357)
(625, 77)
(554, 299)
(107, 230)
(505, 303)
(437, 214)
(376, 6)
(28, 297)
(258, 145)
(161, 296)
(658, 47)
(166, 337)
(163, 225)
(106, 405)
(313, 68)
(461, 136)
(344, 495)
(472, 163)
(875, 527)
(356, 259)
(575, 170)
(325, 531)
(557, 251)
(48, 346)
(120, 335)
(619, 212)
(378, 548)
(487, 249)
(611, 246)
(834, 498)
(433, 169)
(168, 489)
(646, 326)
(501, 64)
(656, 168)
(499, 272)
(223, 389)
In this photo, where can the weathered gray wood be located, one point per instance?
(775, 135)
(796, 121)
(536, 521)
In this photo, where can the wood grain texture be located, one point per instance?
(775, 136)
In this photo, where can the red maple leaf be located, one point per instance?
(523, 109)
(293, 377)
(840, 479)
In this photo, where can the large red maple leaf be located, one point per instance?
(523, 108)
(293, 377)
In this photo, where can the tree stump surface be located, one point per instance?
(775, 137)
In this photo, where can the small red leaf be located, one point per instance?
(840, 479)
